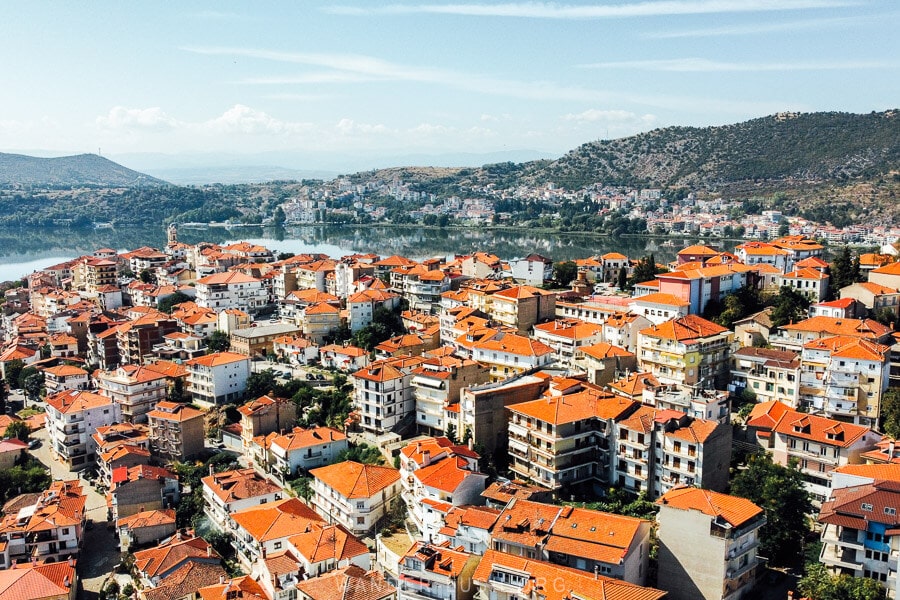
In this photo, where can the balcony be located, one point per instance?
(835, 556)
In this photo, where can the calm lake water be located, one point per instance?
(23, 251)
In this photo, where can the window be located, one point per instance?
(866, 507)
(360, 521)
(278, 545)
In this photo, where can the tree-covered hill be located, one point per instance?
(789, 148)
(79, 170)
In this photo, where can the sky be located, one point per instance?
(364, 78)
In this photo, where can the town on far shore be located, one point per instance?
(205, 422)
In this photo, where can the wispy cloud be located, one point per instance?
(152, 118)
(546, 10)
(702, 65)
(771, 27)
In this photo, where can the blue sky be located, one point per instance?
(366, 78)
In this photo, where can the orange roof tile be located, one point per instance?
(356, 480)
(736, 511)
(685, 329)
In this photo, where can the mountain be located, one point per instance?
(79, 170)
(784, 149)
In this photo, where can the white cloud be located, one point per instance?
(243, 119)
(545, 10)
(702, 65)
(120, 117)
(350, 127)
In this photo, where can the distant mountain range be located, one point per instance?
(79, 170)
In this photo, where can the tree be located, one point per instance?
(622, 279)
(303, 487)
(176, 393)
(4, 396)
(19, 430)
(13, 370)
(450, 432)
(147, 276)
(260, 384)
(25, 374)
(33, 386)
(645, 270)
(890, 412)
(820, 584)
(218, 341)
(790, 306)
(565, 272)
(362, 453)
(172, 300)
(779, 490)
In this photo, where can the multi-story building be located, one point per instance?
(437, 383)
(423, 288)
(72, 416)
(318, 321)
(177, 431)
(858, 522)
(49, 530)
(91, 273)
(141, 487)
(438, 470)
(793, 336)
(708, 545)
(564, 440)
(658, 308)
(657, 450)
(231, 491)
(265, 530)
(40, 581)
(383, 393)
(522, 306)
(299, 450)
(445, 573)
(688, 351)
(502, 576)
(217, 378)
(711, 405)
(817, 443)
(65, 377)
(231, 289)
(587, 540)
(510, 354)
(874, 297)
(259, 340)
(845, 378)
(135, 389)
(265, 415)
(699, 286)
(566, 337)
(769, 374)
(604, 362)
(354, 495)
(137, 338)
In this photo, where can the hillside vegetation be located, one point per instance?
(80, 170)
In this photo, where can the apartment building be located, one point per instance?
(231, 491)
(793, 336)
(265, 530)
(858, 522)
(72, 416)
(769, 374)
(48, 530)
(300, 450)
(563, 440)
(502, 576)
(587, 540)
(383, 393)
(845, 378)
(658, 449)
(819, 444)
(510, 354)
(135, 389)
(354, 495)
(139, 488)
(65, 377)
(217, 378)
(604, 362)
(688, 351)
(445, 573)
(708, 545)
(265, 415)
(566, 337)
(521, 307)
(437, 383)
(231, 289)
(874, 297)
(177, 431)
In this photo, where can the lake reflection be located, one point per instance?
(25, 250)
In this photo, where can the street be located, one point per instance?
(99, 552)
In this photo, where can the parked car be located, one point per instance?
(34, 444)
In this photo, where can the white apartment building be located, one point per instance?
(231, 491)
(72, 416)
(217, 378)
(231, 289)
(354, 495)
(135, 389)
(383, 394)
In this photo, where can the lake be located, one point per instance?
(23, 251)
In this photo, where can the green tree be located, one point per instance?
(218, 341)
(622, 279)
(176, 392)
(147, 276)
(790, 306)
(303, 487)
(780, 492)
(172, 300)
(34, 386)
(645, 270)
(19, 430)
(450, 432)
(13, 370)
(362, 453)
(25, 374)
(841, 274)
(260, 384)
(890, 412)
(4, 396)
(820, 584)
(565, 272)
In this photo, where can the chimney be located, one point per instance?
(212, 470)
(208, 551)
(221, 580)
(71, 562)
(596, 571)
(426, 456)
(471, 444)
(891, 450)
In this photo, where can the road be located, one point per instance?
(99, 553)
